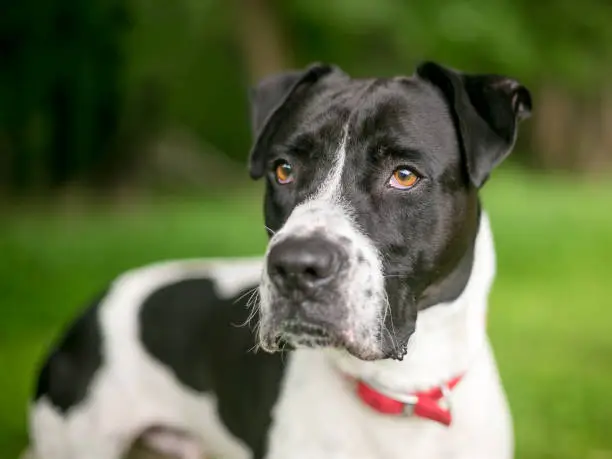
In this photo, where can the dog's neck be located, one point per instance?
(448, 336)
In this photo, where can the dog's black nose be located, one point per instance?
(303, 263)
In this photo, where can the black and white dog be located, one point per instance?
(372, 295)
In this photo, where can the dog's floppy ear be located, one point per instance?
(486, 111)
(269, 100)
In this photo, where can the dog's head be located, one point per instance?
(372, 198)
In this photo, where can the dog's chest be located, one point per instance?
(318, 415)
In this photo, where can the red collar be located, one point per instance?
(424, 404)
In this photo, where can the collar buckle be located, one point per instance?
(410, 401)
(408, 410)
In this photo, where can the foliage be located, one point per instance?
(563, 40)
(77, 77)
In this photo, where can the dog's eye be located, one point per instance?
(403, 179)
(284, 173)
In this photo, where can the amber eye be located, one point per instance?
(284, 173)
(403, 179)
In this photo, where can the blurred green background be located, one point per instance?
(123, 140)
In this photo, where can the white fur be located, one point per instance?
(131, 392)
(317, 414)
(328, 213)
(331, 188)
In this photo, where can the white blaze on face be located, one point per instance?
(330, 190)
(361, 282)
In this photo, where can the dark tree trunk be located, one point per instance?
(260, 37)
(571, 132)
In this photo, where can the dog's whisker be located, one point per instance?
(384, 329)
(392, 334)
(393, 330)
(253, 301)
(258, 341)
(253, 305)
(248, 292)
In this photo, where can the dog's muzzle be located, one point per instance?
(322, 284)
(306, 275)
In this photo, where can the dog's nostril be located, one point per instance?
(312, 272)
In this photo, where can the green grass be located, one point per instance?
(550, 311)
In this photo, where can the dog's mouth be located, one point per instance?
(300, 334)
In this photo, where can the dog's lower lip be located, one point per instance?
(345, 343)
(312, 330)
(307, 334)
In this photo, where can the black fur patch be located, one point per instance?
(70, 367)
(198, 336)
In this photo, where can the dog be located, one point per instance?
(365, 333)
